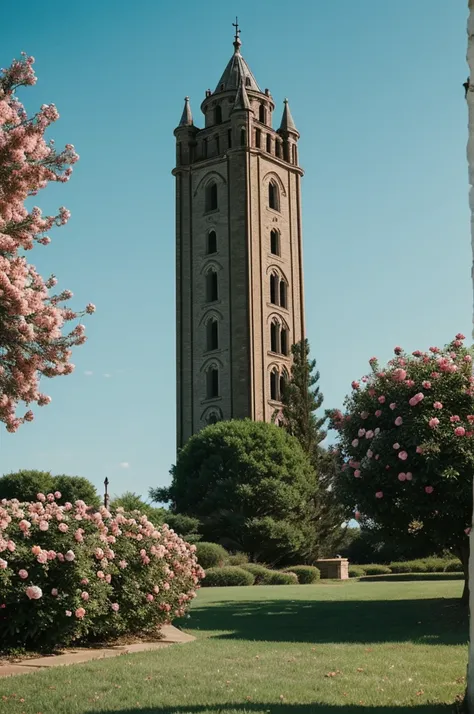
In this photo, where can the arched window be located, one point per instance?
(212, 335)
(218, 144)
(269, 143)
(274, 385)
(243, 137)
(218, 115)
(275, 337)
(273, 197)
(211, 286)
(248, 82)
(282, 386)
(274, 289)
(212, 419)
(258, 138)
(283, 294)
(212, 385)
(262, 114)
(284, 341)
(211, 196)
(275, 242)
(211, 243)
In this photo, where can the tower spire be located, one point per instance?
(186, 117)
(287, 123)
(237, 40)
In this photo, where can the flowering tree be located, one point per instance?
(407, 446)
(31, 320)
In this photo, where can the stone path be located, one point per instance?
(171, 636)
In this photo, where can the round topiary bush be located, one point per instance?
(376, 569)
(306, 574)
(211, 555)
(356, 571)
(454, 566)
(227, 576)
(276, 577)
(70, 573)
(238, 559)
(258, 571)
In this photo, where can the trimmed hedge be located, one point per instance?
(276, 577)
(238, 559)
(356, 571)
(227, 576)
(454, 566)
(376, 569)
(211, 555)
(306, 574)
(258, 571)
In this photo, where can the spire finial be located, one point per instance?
(237, 41)
(186, 117)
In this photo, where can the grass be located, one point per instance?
(340, 648)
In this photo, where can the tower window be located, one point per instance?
(229, 138)
(273, 197)
(218, 115)
(248, 82)
(213, 418)
(283, 294)
(212, 386)
(258, 138)
(211, 286)
(211, 243)
(212, 335)
(211, 196)
(269, 143)
(262, 114)
(295, 154)
(274, 385)
(274, 336)
(275, 242)
(218, 145)
(274, 289)
(278, 149)
(282, 386)
(243, 137)
(204, 148)
(284, 341)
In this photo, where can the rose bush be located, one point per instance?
(406, 443)
(70, 573)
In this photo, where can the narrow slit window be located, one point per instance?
(243, 137)
(262, 114)
(212, 335)
(274, 289)
(274, 334)
(283, 294)
(269, 144)
(284, 341)
(211, 197)
(273, 385)
(258, 138)
(211, 286)
(229, 138)
(212, 383)
(275, 242)
(218, 115)
(218, 144)
(282, 386)
(211, 242)
(273, 197)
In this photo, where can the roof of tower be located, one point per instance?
(242, 98)
(186, 117)
(287, 123)
(237, 70)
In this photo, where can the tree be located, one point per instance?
(184, 526)
(407, 447)
(26, 484)
(301, 400)
(31, 342)
(249, 483)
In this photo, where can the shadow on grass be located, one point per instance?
(428, 621)
(281, 708)
(405, 577)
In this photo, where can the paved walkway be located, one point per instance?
(171, 636)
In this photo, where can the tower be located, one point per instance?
(239, 264)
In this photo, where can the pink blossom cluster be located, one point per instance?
(31, 320)
(88, 543)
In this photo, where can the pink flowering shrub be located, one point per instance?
(411, 472)
(73, 573)
(31, 319)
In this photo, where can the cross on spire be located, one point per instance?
(237, 41)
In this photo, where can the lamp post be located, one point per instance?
(106, 495)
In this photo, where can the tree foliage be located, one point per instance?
(26, 484)
(406, 445)
(249, 483)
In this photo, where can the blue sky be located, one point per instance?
(376, 92)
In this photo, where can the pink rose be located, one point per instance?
(379, 494)
(69, 556)
(403, 455)
(369, 434)
(426, 384)
(80, 612)
(467, 531)
(357, 473)
(57, 494)
(43, 525)
(377, 457)
(396, 445)
(355, 385)
(3, 564)
(42, 557)
(68, 613)
(108, 578)
(85, 596)
(166, 586)
(398, 350)
(433, 422)
(402, 476)
(437, 405)
(398, 421)
(36, 549)
(393, 406)
(41, 497)
(370, 453)
(419, 450)
(467, 358)
(378, 413)
(156, 589)
(355, 442)
(23, 574)
(459, 431)
(115, 606)
(429, 489)
(100, 574)
(54, 592)
(33, 592)
(123, 564)
(454, 418)
(381, 399)
(377, 431)
(361, 432)
(63, 527)
(85, 581)
(399, 375)
(364, 415)
(460, 336)
(408, 476)
(150, 597)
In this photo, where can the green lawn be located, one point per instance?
(341, 648)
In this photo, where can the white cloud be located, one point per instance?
(124, 464)
(88, 373)
(107, 374)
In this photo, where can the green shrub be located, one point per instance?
(276, 577)
(211, 555)
(376, 569)
(227, 576)
(402, 567)
(454, 566)
(306, 574)
(258, 571)
(238, 559)
(356, 571)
